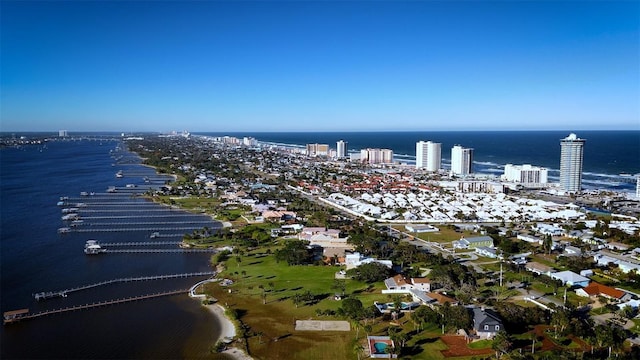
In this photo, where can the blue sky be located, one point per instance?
(319, 66)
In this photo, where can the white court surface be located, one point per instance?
(320, 325)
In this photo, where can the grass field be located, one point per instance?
(445, 235)
(270, 326)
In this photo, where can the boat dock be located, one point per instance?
(86, 230)
(23, 314)
(143, 243)
(63, 293)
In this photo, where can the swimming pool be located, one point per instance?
(380, 347)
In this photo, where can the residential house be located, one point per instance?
(378, 347)
(356, 259)
(549, 229)
(420, 228)
(530, 239)
(488, 252)
(540, 269)
(570, 278)
(617, 246)
(442, 299)
(595, 289)
(572, 251)
(624, 266)
(486, 323)
(474, 242)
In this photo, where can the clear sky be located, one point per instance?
(319, 65)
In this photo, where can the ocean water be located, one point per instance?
(35, 258)
(607, 154)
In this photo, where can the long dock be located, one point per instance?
(13, 316)
(85, 230)
(63, 293)
(151, 223)
(135, 216)
(143, 243)
(143, 251)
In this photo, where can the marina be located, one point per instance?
(50, 259)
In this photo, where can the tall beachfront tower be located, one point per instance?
(461, 160)
(428, 155)
(571, 154)
(341, 149)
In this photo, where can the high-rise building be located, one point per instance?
(571, 155)
(376, 156)
(461, 160)
(63, 133)
(249, 141)
(525, 174)
(341, 149)
(638, 187)
(428, 155)
(317, 149)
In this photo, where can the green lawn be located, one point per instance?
(481, 344)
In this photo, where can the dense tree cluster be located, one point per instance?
(294, 252)
(370, 273)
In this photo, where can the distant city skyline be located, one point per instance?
(319, 66)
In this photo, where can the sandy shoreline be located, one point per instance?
(227, 331)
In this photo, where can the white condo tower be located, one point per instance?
(571, 155)
(428, 155)
(461, 160)
(341, 149)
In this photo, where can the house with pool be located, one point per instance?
(380, 347)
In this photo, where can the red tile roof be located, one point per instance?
(595, 289)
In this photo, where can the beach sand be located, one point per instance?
(227, 331)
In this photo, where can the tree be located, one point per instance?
(358, 350)
(547, 243)
(297, 299)
(353, 308)
(424, 315)
(603, 335)
(501, 343)
(627, 312)
(561, 319)
(294, 252)
(339, 284)
(370, 273)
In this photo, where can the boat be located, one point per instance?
(111, 189)
(70, 217)
(64, 230)
(69, 210)
(92, 248)
(119, 174)
(84, 193)
(154, 235)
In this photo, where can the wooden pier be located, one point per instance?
(85, 230)
(63, 293)
(149, 251)
(142, 243)
(18, 315)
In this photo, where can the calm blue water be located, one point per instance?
(606, 153)
(34, 258)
